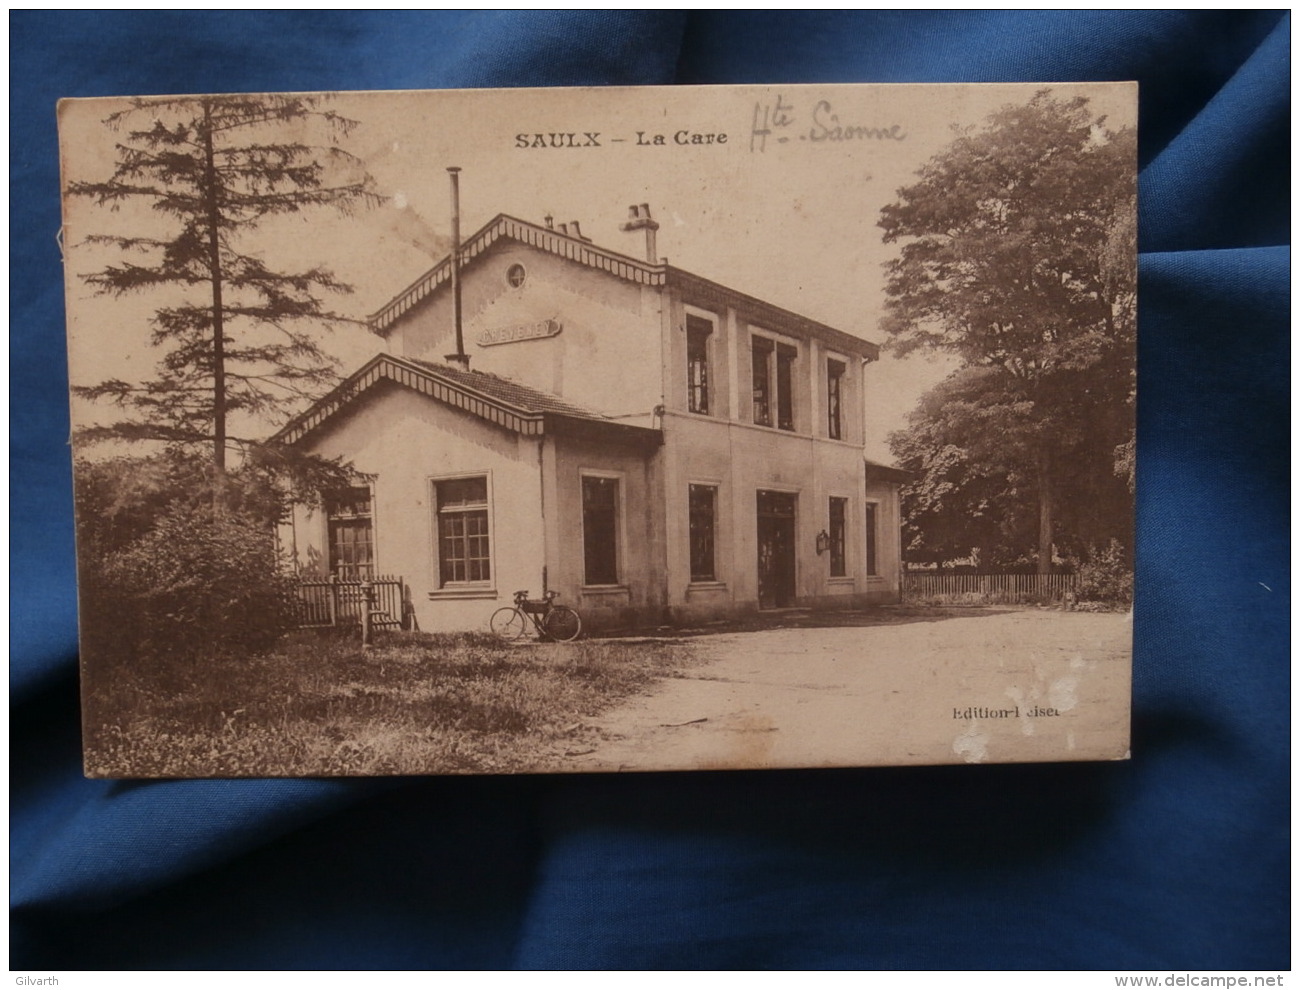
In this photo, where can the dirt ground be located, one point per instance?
(911, 686)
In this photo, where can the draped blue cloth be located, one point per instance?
(1176, 860)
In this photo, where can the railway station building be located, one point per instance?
(652, 445)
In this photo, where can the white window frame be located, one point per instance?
(847, 498)
(871, 538)
(717, 579)
(842, 361)
(620, 525)
(777, 341)
(453, 589)
(327, 517)
(710, 358)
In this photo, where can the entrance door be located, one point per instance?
(775, 549)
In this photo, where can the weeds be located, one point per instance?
(320, 706)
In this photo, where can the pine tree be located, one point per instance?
(239, 336)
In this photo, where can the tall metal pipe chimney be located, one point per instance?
(460, 357)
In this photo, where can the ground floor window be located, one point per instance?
(704, 523)
(351, 534)
(839, 567)
(872, 514)
(464, 540)
(600, 529)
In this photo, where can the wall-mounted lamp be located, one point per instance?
(823, 541)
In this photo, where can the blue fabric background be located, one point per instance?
(1177, 860)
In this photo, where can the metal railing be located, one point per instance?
(335, 601)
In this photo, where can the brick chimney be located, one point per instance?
(571, 229)
(638, 218)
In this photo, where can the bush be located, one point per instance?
(1106, 576)
(176, 563)
(191, 586)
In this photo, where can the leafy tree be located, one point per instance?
(974, 491)
(967, 497)
(172, 569)
(237, 333)
(1017, 254)
(119, 500)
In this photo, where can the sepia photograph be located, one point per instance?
(515, 431)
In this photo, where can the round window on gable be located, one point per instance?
(515, 275)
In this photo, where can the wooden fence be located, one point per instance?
(333, 601)
(993, 589)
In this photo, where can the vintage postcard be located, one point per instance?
(602, 429)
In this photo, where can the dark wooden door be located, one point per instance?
(776, 517)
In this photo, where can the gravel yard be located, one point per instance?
(949, 686)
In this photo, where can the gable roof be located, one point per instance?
(583, 252)
(515, 394)
(544, 238)
(505, 403)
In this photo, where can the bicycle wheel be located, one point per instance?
(562, 624)
(508, 623)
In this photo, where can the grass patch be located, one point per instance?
(321, 706)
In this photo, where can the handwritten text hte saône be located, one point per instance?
(783, 122)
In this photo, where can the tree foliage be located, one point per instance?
(179, 562)
(120, 499)
(175, 564)
(1018, 255)
(188, 591)
(238, 334)
(974, 492)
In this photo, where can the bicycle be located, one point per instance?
(558, 623)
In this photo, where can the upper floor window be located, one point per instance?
(697, 363)
(834, 399)
(762, 388)
(464, 540)
(351, 533)
(785, 386)
(773, 383)
(600, 529)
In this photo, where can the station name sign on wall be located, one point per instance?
(519, 331)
